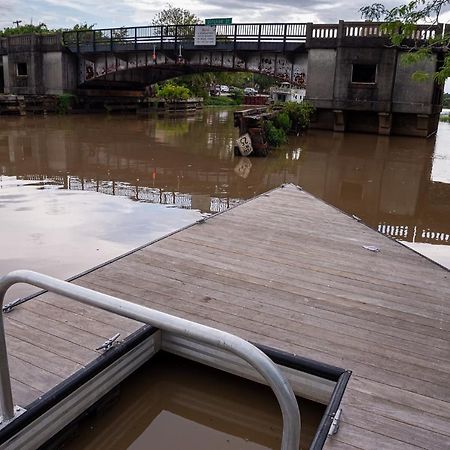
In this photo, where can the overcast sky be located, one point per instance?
(116, 13)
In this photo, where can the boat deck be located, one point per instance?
(288, 271)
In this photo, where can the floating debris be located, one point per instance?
(372, 248)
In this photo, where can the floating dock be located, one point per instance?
(283, 270)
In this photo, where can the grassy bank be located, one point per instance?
(221, 101)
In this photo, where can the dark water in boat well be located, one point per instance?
(172, 403)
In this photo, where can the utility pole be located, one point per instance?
(17, 22)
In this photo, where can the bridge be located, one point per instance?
(127, 54)
(275, 49)
(353, 75)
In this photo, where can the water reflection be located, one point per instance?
(400, 186)
(208, 409)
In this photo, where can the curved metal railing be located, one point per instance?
(166, 322)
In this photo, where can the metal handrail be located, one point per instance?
(182, 34)
(162, 35)
(226, 341)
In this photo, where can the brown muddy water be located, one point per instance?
(171, 404)
(76, 191)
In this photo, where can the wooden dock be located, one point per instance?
(288, 271)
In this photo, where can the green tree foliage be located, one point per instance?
(172, 92)
(197, 83)
(275, 136)
(25, 29)
(264, 81)
(446, 101)
(283, 121)
(79, 27)
(41, 29)
(175, 16)
(400, 23)
(299, 114)
(292, 118)
(65, 103)
(221, 101)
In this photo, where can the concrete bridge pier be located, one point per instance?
(384, 123)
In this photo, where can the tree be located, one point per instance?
(172, 92)
(264, 81)
(25, 29)
(446, 101)
(175, 16)
(400, 23)
(411, 13)
(41, 29)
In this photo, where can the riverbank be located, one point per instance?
(89, 102)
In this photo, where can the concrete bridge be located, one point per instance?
(352, 74)
(154, 53)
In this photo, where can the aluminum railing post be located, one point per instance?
(6, 400)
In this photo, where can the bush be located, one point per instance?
(299, 114)
(283, 121)
(64, 103)
(172, 92)
(219, 101)
(238, 96)
(293, 116)
(274, 136)
(444, 119)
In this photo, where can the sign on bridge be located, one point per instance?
(219, 21)
(205, 35)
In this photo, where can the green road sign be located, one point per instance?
(220, 21)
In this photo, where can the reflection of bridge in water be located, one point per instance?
(137, 192)
(385, 181)
(415, 234)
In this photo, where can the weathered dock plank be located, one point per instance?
(288, 271)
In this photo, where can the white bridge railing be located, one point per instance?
(166, 322)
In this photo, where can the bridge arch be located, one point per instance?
(155, 53)
(148, 74)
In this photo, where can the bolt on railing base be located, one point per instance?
(18, 411)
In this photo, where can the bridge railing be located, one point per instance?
(163, 35)
(377, 29)
(171, 36)
(362, 29)
(324, 31)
